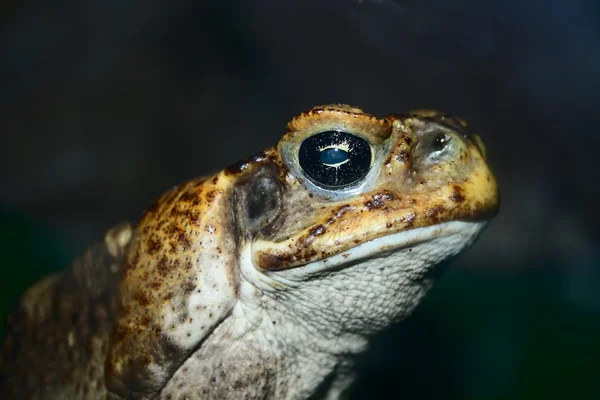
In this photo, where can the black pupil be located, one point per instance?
(335, 159)
(440, 141)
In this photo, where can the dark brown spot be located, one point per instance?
(183, 240)
(457, 195)
(155, 285)
(163, 267)
(153, 245)
(174, 212)
(141, 298)
(318, 230)
(270, 261)
(388, 160)
(310, 254)
(434, 213)
(188, 287)
(192, 216)
(188, 196)
(210, 196)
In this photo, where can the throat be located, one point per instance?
(244, 360)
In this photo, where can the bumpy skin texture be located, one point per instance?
(257, 282)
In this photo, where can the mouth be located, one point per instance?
(446, 239)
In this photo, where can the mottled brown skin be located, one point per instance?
(104, 323)
(161, 269)
(56, 340)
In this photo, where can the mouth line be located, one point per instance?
(326, 239)
(381, 246)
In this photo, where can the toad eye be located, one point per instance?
(335, 159)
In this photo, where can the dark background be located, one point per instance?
(104, 104)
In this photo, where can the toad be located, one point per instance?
(265, 279)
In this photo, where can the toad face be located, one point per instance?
(261, 280)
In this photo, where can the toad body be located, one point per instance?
(261, 281)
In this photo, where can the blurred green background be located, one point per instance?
(106, 104)
(30, 251)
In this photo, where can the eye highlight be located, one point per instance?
(440, 141)
(335, 159)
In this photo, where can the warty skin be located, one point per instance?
(259, 281)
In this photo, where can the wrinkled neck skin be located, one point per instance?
(293, 332)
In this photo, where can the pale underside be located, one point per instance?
(321, 313)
